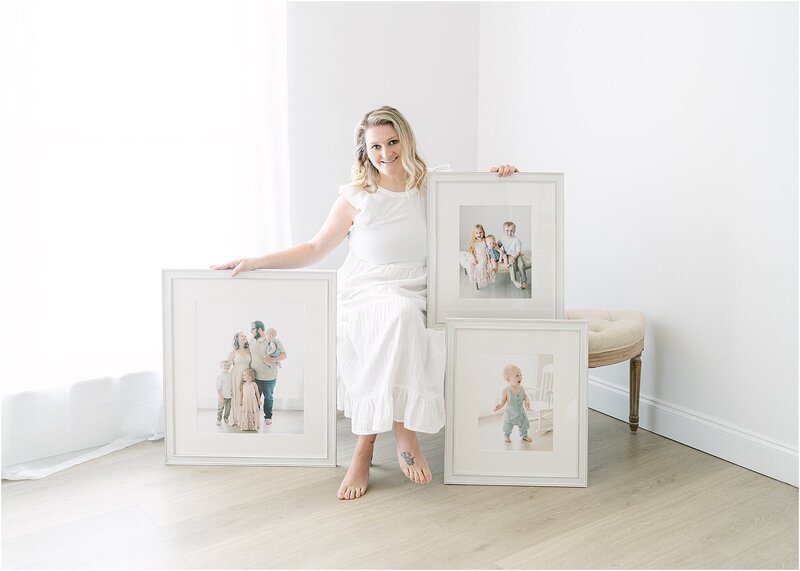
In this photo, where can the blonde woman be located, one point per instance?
(240, 357)
(390, 367)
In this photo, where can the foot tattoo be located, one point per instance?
(408, 458)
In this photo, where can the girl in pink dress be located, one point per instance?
(480, 270)
(250, 408)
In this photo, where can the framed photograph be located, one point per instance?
(515, 394)
(249, 367)
(496, 246)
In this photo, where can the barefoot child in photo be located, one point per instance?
(512, 246)
(494, 253)
(250, 409)
(224, 392)
(517, 404)
(479, 271)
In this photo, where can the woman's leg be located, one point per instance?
(409, 455)
(356, 479)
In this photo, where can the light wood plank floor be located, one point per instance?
(651, 503)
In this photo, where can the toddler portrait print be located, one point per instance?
(515, 403)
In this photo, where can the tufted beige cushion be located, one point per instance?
(614, 335)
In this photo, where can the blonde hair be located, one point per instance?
(490, 236)
(508, 369)
(271, 331)
(365, 176)
(472, 238)
(509, 225)
(251, 372)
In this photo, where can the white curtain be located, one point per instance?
(137, 135)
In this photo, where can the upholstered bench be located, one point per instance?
(616, 336)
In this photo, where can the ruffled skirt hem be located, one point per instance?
(420, 413)
(390, 366)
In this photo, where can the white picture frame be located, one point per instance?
(551, 355)
(457, 202)
(204, 313)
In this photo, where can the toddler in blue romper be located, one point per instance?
(516, 401)
(495, 254)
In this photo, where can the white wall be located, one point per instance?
(676, 125)
(346, 58)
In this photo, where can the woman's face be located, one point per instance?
(384, 150)
(478, 234)
(242, 340)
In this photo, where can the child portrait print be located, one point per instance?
(250, 372)
(495, 252)
(515, 402)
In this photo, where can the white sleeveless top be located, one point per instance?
(390, 227)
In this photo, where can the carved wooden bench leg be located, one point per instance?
(636, 374)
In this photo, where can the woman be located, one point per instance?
(390, 367)
(240, 357)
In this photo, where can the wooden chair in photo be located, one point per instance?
(541, 401)
(616, 336)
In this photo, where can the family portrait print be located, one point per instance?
(496, 246)
(515, 402)
(249, 363)
(250, 367)
(495, 257)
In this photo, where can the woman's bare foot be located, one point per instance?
(354, 484)
(409, 455)
(508, 439)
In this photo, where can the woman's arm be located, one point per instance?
(330, 235)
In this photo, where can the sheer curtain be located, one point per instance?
(137, 135)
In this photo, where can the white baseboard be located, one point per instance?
(734, 444)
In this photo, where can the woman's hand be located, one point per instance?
(239, 265)
(504, 170)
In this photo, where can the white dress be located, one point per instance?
(390, 367)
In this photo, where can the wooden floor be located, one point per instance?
(651, 503)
